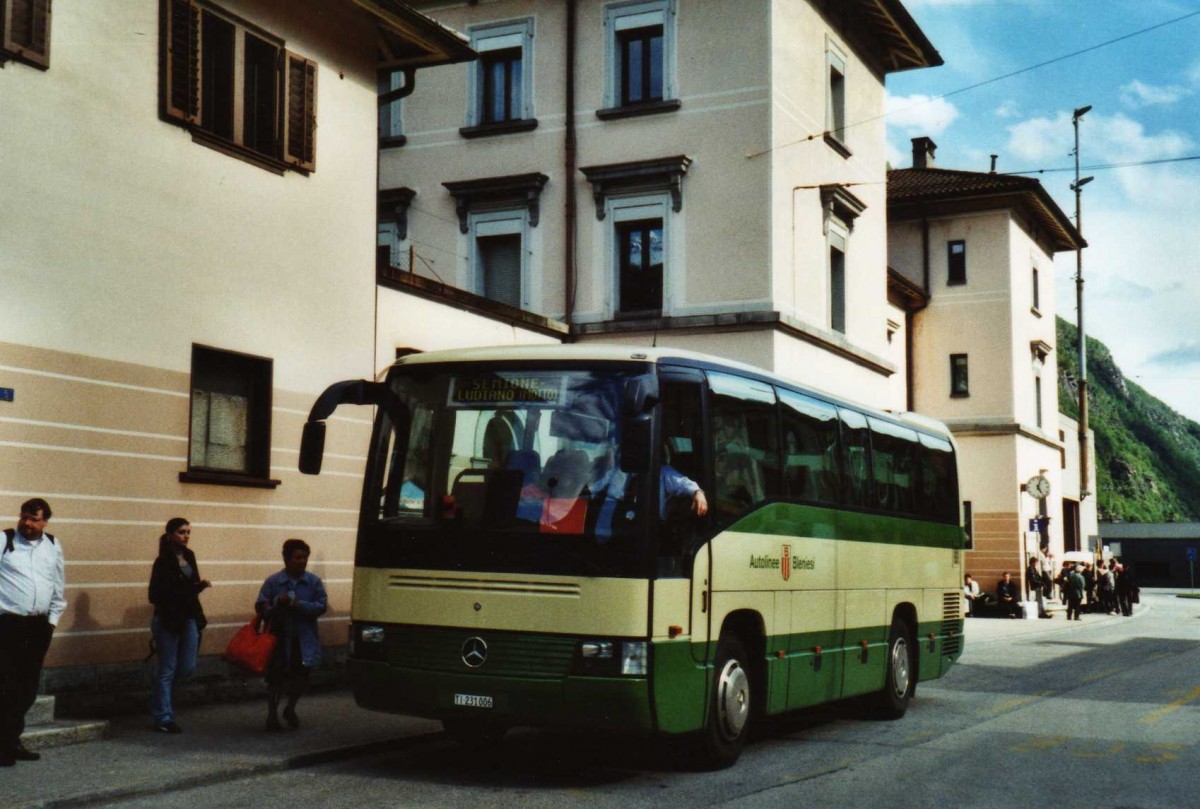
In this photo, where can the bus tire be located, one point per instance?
(900, 682)
(730, 707)
(474, 734)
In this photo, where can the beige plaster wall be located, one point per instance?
(146, 242)
(801, 161)
(124, 242)
(973, 319)
(408, 321)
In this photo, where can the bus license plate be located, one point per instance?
(472, 701)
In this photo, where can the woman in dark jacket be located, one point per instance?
(175, 587)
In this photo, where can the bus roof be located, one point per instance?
(615, 352)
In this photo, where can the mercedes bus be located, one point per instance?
(646, 540)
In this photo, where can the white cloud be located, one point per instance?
(1137, 94)
(919, 115)
(1008, 109)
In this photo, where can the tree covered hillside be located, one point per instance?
(1147, 455)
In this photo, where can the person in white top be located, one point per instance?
(31, 602)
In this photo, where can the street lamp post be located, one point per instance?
(1077, 187)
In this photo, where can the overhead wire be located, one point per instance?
(986, 82)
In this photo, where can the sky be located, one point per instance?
(1142, 222)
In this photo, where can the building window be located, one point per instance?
(958, 375)
(835, 94)
(25, 32)
(238, 88)
(640, 266)
(837, 288)
(501, 92)
(968, 524)
(1036, 291)
(1037, 399)
(498, 265)
(391, 218)
(840, 211)
(640, 43)
(641, 64)
(956, 262)
(230, 440)
(391, 113)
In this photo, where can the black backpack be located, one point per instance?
(10, 533)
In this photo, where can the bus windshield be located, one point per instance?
(508, 470)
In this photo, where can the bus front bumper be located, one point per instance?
(604, 703)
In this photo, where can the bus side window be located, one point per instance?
(810, 431)
(745, 436)
(893, 450)
(937, 490)
(856, 470)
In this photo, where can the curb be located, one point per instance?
(294, 762)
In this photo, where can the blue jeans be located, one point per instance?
(176, 661)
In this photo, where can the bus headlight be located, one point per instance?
(371, 634)
(596, 649)
(633, 658)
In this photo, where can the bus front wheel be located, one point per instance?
(901, 680)
(728, 724)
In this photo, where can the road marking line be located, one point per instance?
(1008, 705)
(1099, 675)
(1156, 715)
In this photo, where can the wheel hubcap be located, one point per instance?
(900, 667)
(733, 700)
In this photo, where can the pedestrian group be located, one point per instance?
(32, 599)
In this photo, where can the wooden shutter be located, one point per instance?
(300, 114)
(26, 26)
(181, 60)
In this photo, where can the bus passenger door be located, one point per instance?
(681, 534)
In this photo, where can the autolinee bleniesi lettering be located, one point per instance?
(772, 563)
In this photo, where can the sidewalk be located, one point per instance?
(219, 743)
(1001, 629)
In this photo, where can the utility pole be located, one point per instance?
(1077, 187)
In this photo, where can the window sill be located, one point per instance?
(392, 142)
(960, 396)
(227, 479)
(17, 56)
(1033, 310)
(225, 147)
(499, 128)
(839, 147)
(637, 110)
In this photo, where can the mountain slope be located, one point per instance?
(1147, 455)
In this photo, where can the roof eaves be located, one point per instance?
(439, 44)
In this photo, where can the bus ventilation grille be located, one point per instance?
(508, 654)
(952, 623)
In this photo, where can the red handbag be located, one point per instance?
(252, 646)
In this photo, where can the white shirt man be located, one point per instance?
(32, 599)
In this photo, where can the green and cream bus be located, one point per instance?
(527, 555)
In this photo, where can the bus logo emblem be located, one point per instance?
(474, 652)
(785, 564)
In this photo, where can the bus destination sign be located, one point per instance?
(491, 390)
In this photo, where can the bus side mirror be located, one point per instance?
(312, 447)
(640, 395)
(637, 438)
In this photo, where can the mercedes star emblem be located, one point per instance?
(474, 652)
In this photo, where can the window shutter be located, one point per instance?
(26, 26)
(501, 257)
(181, 60)
(300, 116)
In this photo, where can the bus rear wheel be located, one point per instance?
(901, 680)
(728, 724)
(475, 734)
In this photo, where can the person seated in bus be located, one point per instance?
(673, 484)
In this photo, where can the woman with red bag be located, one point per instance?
(291, 600)
(175, 587)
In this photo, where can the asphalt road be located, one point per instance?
(1099, 713)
